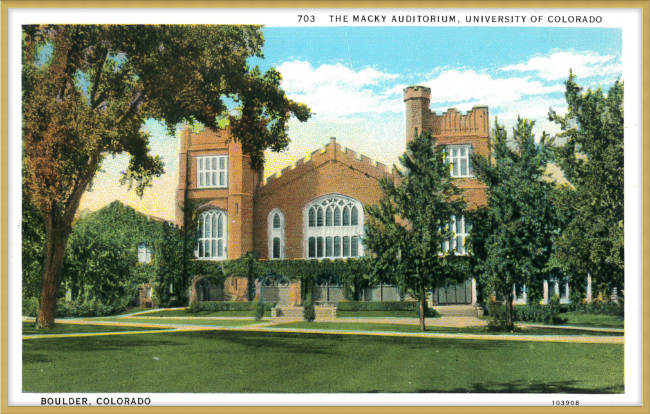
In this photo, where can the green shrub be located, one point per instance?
(378, 306)
(602, 308)
(428, 312)
(30, 306)
(259, 310)
(91, 307)
(308, 311)
(226, 306)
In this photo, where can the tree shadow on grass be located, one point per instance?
(531, 387)
(287, 343)
(97, 343)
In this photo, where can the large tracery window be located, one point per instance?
(333, 228)
(213, 235)
(276, 234)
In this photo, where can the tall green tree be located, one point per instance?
(592, 239)
(87, 90)
(512, 237)
(406, 231)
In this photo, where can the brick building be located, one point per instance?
(314, 208)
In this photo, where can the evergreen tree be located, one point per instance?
(592, 239)
(405, 232)
(512, 237)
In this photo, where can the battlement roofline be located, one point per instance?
(328, 153)
(456, 111)
(417, 92)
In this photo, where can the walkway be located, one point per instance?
(265, 326)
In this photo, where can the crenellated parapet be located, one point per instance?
(332, 152)
(454, 123)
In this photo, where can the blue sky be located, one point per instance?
(352, 78)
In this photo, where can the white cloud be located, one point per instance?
(333, 91)
(455, 85)
(556, 66)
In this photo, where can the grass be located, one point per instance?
(184, 313)
(189, 321)
(600, 321)
(387, 327)
(259, 362)
(69, 328)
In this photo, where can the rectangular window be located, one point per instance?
(328, 247)
(346, 246)
(337, 246)
(459, 158)
(212, 171)
(319, 247)
(312, 247)
(354, 248)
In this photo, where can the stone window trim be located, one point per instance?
(212, 235)
(276, 240)
(333, 227)
(458, 156)
(212, 171)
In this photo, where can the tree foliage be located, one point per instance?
(592, 160)
(406, 230)
(101, 260)
(87, 90)
(512, 237)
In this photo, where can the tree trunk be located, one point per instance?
(57, 233)
(510, 315)
(423, 307)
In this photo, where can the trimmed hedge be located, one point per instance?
(227, 306)
(78, 308)
(527, 313)
(600, 308)
(378, 306)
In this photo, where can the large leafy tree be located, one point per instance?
(512, 237)
(406, 231)
(87, 90)
(592, 240)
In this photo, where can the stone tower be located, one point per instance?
(417, 100)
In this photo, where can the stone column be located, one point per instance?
(473, 292)
(546, 292)
(588, 299)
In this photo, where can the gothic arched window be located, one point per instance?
(213, 235)
(276, 234)
(333, 227)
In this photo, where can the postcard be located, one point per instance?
(324, 207)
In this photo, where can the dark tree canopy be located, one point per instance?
(87, 90)
(406, 230)
(592, 207)
(512, 236)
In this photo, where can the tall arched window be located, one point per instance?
(213, 235)
(276, 234)
(333, 228)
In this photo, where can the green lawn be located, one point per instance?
(69, 328)
(258, 362)
(188, 321)
(186, 314)
(600, 321)
(387, 327)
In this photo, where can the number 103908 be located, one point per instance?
(566, 402)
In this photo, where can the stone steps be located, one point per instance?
(295, 313)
